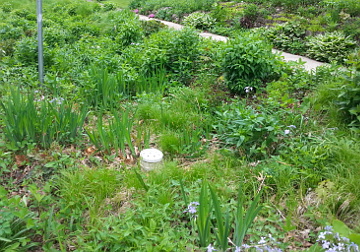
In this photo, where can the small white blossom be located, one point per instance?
(262, 240)
(248, 89)
(210, 248)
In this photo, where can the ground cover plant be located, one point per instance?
(258, 154)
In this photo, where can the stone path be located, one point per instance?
(309, 63)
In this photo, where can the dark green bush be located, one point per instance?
(248, 61)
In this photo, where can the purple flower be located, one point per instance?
(151, 15)
(192, 207)
(136, 11)
(328, 228)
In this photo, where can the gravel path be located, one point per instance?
(309, 63)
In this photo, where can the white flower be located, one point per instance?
(286, 132)
(262, 240)
(210, 248)
(248, 89)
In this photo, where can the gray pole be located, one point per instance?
(40, 41)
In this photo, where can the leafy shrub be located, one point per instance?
(123, 27)
(199, 20)
(109, 6)
(26, 50)
(330, 47)
(57, 36)
(348, 98)
(250, 14)
(168, 13)
(134, 4)
(8, 31)
(152, 26)
(6, 7)
(176, 51)
(16, 223)
(7, 47)
(288, 37)
(292, 85)
(248, 61)
(250, 132)
(353, 60)
(349, 6)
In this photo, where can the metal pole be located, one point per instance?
(40, 41)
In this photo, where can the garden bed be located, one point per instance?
(292, 26)
(241, 132)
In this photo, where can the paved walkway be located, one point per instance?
(309, 63)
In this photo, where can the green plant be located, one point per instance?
(243, 221)
(348, 98)
(251, 14)
(223, 226)
(338, 96)
(248, 131)
(330, 47)
(117, 136)
(208, 213)
(349, 6)
(123, 27)
(199, 20)
(248, 62)
(17, 223)
(41, 122)
(289, 36)
(152, 26)
(26, 50)
(204, 217)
